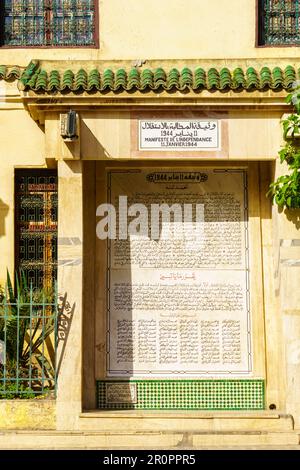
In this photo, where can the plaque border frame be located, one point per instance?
(183, 375)
(182, 149)
(180, 115)
(119, 382)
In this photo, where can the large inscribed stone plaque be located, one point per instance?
(180, 306)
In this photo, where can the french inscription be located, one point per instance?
(179, 135)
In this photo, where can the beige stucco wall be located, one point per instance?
(286, 249)
(250, 135)
(112, 134)
(27, 414)
(169, 29)
(21, 144)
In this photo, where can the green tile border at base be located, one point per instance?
(217, 394)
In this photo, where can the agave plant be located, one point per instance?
(26, 321)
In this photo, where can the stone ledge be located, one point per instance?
(180, 414)
(176, 441)
(194, 422)
(27, 414)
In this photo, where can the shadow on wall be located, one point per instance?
(65, 318)
(293, 215)
(95, 149)
(4, 208)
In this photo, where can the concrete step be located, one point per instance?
(195, 422)
(151, 440)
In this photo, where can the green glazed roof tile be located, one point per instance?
(239, 80)
(252, 79)
(265, 77)
(133, 80)
(54, 80)
(200, 78)
(93, 79)
(160, 79)
(107, 80)
(186, 78)
(2, 71)
(81, 80)
(67, 81)
(33, 80)
(146, 79)
(173, 78)
(225, 78)
(213, 79)
(277, 77)
(289, 76)
(13, 73)
(121, 79)
(10, 73)
(41, 80)
(29, 72)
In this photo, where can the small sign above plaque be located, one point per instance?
(179, 135)
(120, 392)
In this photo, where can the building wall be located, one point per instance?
(172, 29)
(175, 31)
(22, 145)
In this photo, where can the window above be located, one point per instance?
(59, 23)
(279, 22)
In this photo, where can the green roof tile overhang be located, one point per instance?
(45, 85)
(10, 73)
(92, 77)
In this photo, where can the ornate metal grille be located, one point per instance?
(279, 22)
(36, 226)
(48, 22)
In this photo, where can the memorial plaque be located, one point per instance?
(180, 306)
(179, 135)
(121, 393)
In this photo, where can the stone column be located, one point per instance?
(70, 241)
(287, 223)
(290, 306)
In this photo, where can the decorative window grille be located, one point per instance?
(279, 22)
(48, 23)
(36, 226)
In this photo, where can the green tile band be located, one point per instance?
(86, 78)
(222, 395)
